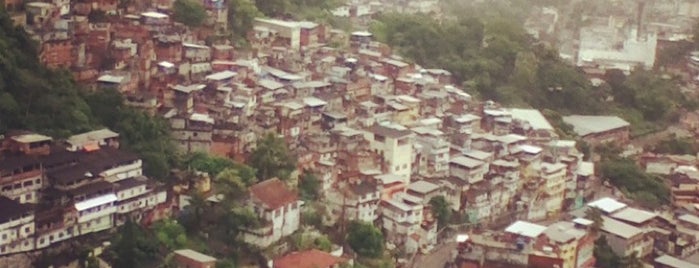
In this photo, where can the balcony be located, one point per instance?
(98, 214)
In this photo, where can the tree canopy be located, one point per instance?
(676, 145)
(139, 132)
(441, 209)
(241, 16)
(309, 186)
(490, 54)
(170, 234)
(32, 96)
(365, 239)
(625, 174)
(189, 12)
(604, 256)
(271, 158)
(134, 246)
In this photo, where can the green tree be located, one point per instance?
(204, 162)
(273, 8)
(230, 184)
(625, 174)
(604, 256)
(309, 186)
(139, 132)
(170, 234)
(304, 241)
(676, 145)
(193, 218)
(213, 165)
(632, 261)
(595, 215)
(441, 210)
(134, 247)
(189, 12)
(241, 16)
(365, 239)
(272, 158)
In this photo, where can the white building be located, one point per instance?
(395, 144)
(101, 137)
(467, 169)
(552, 193)
(16, 227)
(96, 214)
(432, 151)
(279, 210)
(403, 219)
(135, 195)
(355, 202)
(608, 47)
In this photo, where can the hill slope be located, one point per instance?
(32, 97)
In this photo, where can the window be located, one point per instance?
(28, 197)
(379, 138)
(4, 236)
(28, 183)
(50, 238)
(37, 181)
(27, 230)
(41, 241)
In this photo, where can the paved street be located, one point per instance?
(437, 259)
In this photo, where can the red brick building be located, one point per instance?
(187, 258)
(57, 53)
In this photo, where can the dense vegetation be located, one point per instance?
(365, 239)
(441, 210)
(489, 54)
(648, 190)
(242, 13)
(33, 97)
(189, 12)
(676, 145)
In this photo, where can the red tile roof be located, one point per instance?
(273, 193)
(308, 259)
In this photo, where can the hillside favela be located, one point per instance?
(349, 133)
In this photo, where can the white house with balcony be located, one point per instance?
(354, 202)
(278, 209)
(405, 223)
(96, 214)
(400, 218)
(123, 165)
(432, 152)
(134, 196)
(16, 227)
